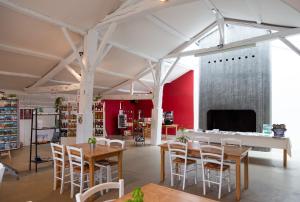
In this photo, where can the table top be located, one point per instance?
(228, 150)
(156, 193)
(99, 150)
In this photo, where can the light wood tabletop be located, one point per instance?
(101, 152)
(157, 193)
(233, 153)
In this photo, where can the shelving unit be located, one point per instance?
(9, 125)
(34, 132)
(99, 118)
(68, 119)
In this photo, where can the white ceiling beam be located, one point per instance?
(53, 89)
(255, 25)
(74, 73)
(108, 72)
(198, 36)
(73, 46)
(166, 27)
(169, 71)
(55, 70)
(137, 9)
(250, 41)
(128, 97)
(290, 45)
(39, 16)
(132, 88)
(5, 73)
(28, 52)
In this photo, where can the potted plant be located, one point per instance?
(137, 195)
(92, 141)
(182, 138)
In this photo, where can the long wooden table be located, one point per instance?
(237, 154)
(157, 193)
(99, 153)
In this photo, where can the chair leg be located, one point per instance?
(220, 184)
(196, 175)
(184, 177)
(208, 177)
(81, 183)
(62, 180)
(108, 175)
(72, 185)
(228, 181)
(203, 180)
(54, 179)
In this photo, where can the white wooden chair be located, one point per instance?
(178, 157)
(61, 167)
(79, 169)
(212, 158)
(109, 163)
(102, 140)
(99, 188)
(198, 140)
(2, 169)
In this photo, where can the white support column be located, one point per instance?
(85, 127)
(157, 112)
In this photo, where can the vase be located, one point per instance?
(92, 147)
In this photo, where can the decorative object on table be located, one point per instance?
(92, 141)
(279, 130)
(137, 195)
(267, 129)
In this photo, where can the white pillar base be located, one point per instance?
(156, 125)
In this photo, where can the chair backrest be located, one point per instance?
(212, 154)
(201, 139)
(177, 150)
(75, 158)
(98, 188)
(2, 169)
(58, 153)
(102, 140)
(120, 143)
(231, 141)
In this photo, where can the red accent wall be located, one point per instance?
(178, 96)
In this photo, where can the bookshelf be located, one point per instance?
(99, 117)
(9, 125)
(68, 119)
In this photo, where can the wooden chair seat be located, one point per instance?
(215, 166)
(86, 169)
(67, 163)
(107, 162)
(181, 161)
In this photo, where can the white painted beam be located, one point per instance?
(166, 27)
(246, 42)
(73, 72)
(290, 45)
(28, 12)
(169, 71)
(128, 97)
(55, 70)
(255, 25)
(73, 46)
(5, 73)
(53, 89)
(138, 9)
(132, 88)
(29, 52)
(112, 73)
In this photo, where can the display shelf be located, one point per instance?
(68, 115)
(9, 124)
(99, 117)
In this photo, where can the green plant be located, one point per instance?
(92, 140)
(58, 103)
(182, 138)
(137, 195)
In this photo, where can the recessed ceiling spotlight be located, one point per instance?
(163, 0)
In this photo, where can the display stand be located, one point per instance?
(34, 132)
(99, 117)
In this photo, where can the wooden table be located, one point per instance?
(237, 154)
(99, 153)
(169, 126)
(157, 193)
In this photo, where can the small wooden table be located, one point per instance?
(99, 153)
(237, 154)
(169, 126)
(157, 193)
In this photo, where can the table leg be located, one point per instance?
(238, 180)
(92, 171)
(246, 172)
(120, 165)
(162, 164)
(284, 158)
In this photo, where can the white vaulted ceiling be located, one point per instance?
(31, 44)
